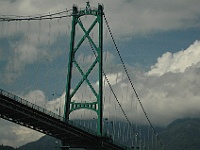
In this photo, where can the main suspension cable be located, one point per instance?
(110, 86)
(128, 76)
(49, 16)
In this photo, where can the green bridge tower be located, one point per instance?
(97, 105)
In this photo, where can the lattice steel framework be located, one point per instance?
(97, 105)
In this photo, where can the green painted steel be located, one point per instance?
(96, 106)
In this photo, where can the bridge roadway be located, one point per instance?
(22, 112)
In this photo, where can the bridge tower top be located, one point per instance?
(88, 5)
(75, 46)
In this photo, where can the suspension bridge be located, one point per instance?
(87, 84)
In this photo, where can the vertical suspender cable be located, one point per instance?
(128, 76)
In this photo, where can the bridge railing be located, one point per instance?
(43, 110)
(31, 105)
(52, 114)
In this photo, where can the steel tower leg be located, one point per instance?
(96, 106)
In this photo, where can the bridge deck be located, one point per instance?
(22, 112)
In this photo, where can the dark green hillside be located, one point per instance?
(44, 143)
(182, 134)
(6, 148)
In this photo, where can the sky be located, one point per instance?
(159, 42)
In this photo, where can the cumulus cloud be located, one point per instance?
(36, 97)
(113, 78)
(57, 105)
(165, 97)
(169, 90)
(24, 54)
(39, 98)
(15, 135)
(171, 94)
(25, 49)
(177, 62)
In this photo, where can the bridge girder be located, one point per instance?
(22, 112)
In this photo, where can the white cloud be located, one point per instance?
(113, 78)
(177, 62)
(165, 97)
(143, 17)
(57, 105)
(136, 16)
(168, 96)
(24, 54)
(36, 97)
(168, 91)
(15, 135)
(126, 18)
